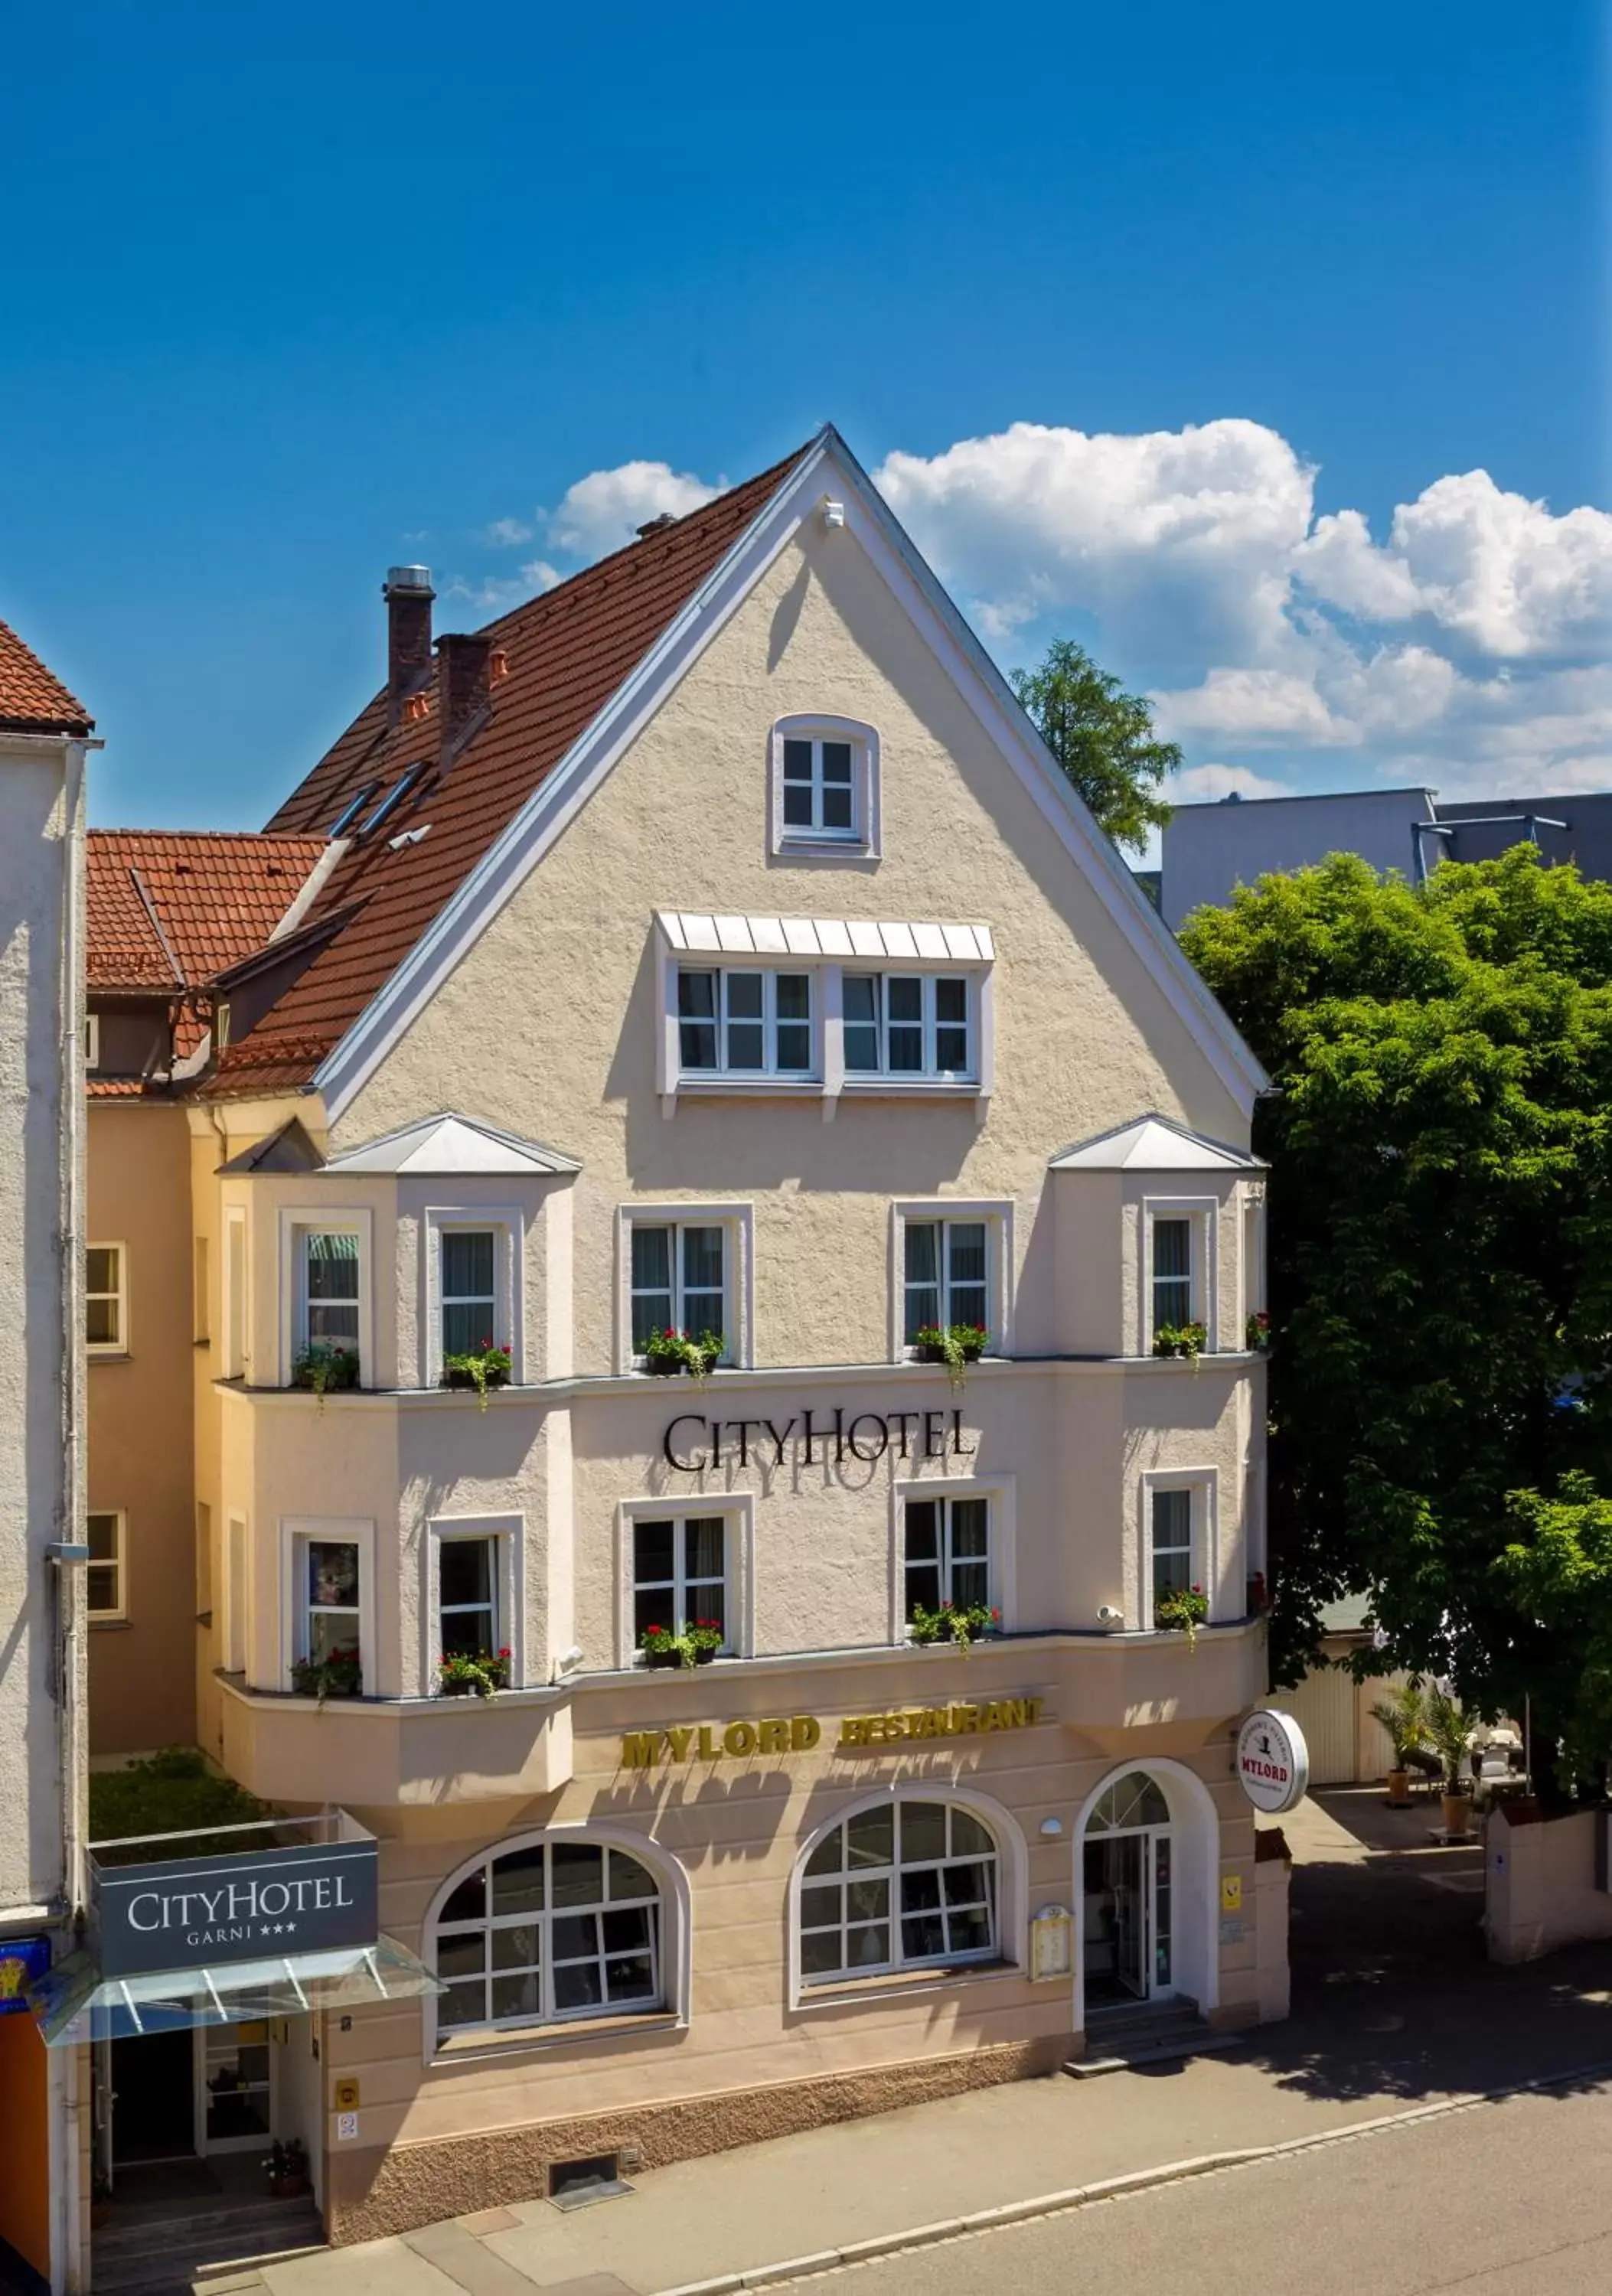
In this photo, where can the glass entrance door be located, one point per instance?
(232, 2067)
(1128, 1881)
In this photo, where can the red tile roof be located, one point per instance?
(172, 908)
(568, 651)
(32, 699)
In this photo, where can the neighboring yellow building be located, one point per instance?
(710, 944)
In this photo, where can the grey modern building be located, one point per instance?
(1209, 849)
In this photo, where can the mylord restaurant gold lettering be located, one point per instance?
(866, 1435)
(798, 1734)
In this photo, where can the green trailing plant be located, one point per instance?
(324, 1367)
(338, 1674)
(673, 1351)
(956, 1345)
(962, 1623)
(1256, 1332)
(1188, 1340)
(480, 1672)
(1183, 1611)
(1403, 1715)
(694, 1644)
(487, 1366)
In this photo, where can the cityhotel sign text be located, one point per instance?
(864, 1435)
(188, 1912)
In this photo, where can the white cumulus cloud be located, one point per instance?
(1207, 785)
(605, 509)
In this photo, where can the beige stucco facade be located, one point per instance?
(810, 1444)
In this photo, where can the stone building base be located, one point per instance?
(371, 2195)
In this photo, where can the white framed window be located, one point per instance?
(946, 1549)
(684, 1267)
(1178, 1534)
(474, 1261)
(92, 1040)
(236, 1325)
(325, 1263)
(909, 1882)
(748, 1023)
(1178, 1285)
(1254, 1254)
(106, 1299)
(908, 1025)
(238, 1594)
(475, 1596)
(825, 787)
(559, 1927)
(950, 1263)
(328, 1592)
(680, 1562)
(106, 1581)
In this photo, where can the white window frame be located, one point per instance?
(1001, 1492)
(238, 1591)
(1204, 1484)
(508, 1531)
(739, 1599)
(298, 1532)
(767, 970)
(861, 842)
(235, 1276)
(885, 1079)
(676, 1956)
(1251, 1238)
(827, 1080)
(92, 1040)
(296, 1221)
(1200, 1213)
(118, 1563)
(120, 1346)
(738, 1272)
(1009, 1957)
(507, 1224)
(997, 1213)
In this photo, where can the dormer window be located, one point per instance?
(825, 787)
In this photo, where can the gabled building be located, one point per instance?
(44, 736)
(720, 1218)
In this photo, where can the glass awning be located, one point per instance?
(75, 2002)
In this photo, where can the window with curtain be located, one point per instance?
(467, 1594)
(1172, 1541)
(1172, 1272)
(904, 1883)
(948, 1552)
(679, 1573)
(330, 1287)
(330, 1619)
(906, 1024)
(751, 1024)
(469, 1302)
(946, 1275)
(678, 1279)
(547, 1930)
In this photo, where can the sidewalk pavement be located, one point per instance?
(1376, 2050)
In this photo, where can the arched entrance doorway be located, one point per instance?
(1146, 1855)
(1127, 1876)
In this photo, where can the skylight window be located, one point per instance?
(350, 811)
(393, 799)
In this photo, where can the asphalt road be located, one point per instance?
(1503, 2199)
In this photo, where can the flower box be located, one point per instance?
(467, 1379)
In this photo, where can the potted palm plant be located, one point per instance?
(1403, 1715)
(1450, 1735)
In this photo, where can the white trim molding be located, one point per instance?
(860, 842)
(1002, 1575)
(997, 1214)
(738, 1509)
(737, 1222)
(828, 465)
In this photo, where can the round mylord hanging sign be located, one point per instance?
(1272, 1761)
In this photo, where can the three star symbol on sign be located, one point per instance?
(278, 1928)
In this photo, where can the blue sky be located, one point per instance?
(1149, 320)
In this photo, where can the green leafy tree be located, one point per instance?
(1103, 739)
(1559, 1569)
(1440, 1254)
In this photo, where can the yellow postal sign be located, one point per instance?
(800, 1733)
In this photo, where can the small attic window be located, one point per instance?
(393, 799)
(353, 808)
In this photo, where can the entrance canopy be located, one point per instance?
(78, 2001)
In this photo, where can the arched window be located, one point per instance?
(553, 1929)
(897, 1885)
(1131, 1802)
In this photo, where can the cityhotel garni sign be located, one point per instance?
(691, 1444)
(187, 1911)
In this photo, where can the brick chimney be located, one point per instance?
(408, 594)
(464, 686)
